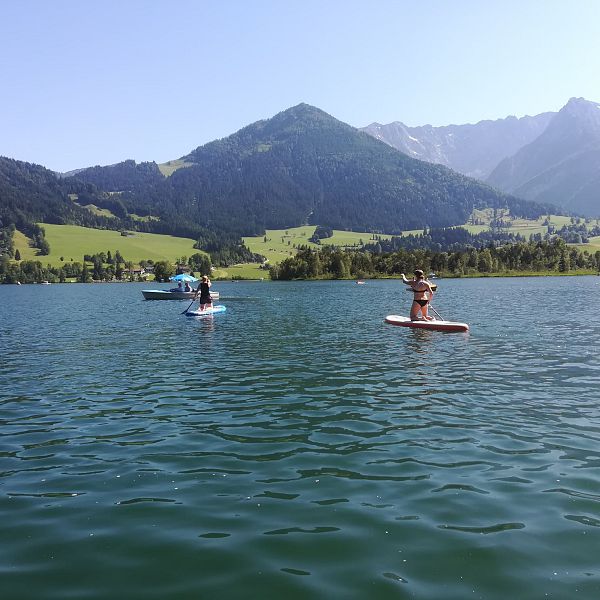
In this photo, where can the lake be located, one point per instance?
(298, 447)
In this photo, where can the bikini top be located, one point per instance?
(432, 285)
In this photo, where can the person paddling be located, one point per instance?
(423, 294)
(204, 291)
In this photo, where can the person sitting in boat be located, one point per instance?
(179, 288)
(187, 287)
(204, 291)
(423, 294)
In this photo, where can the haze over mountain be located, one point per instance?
(562, 165)
(549, 158)
(471, 149)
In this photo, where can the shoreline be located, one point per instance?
(579, 273)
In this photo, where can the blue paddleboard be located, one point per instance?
(205, 313)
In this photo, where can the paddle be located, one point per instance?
(436, 313)
(192, 302)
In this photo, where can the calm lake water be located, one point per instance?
(298, 447)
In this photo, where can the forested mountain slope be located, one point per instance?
(125, 176)
(304, 166)
(30, 193)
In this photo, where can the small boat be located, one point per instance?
(219, 308)
(361, 282)
(44, 283)
(170, 295)
(433, 325)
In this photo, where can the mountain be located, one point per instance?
(562, 165)
(304, 166)
(472, 149)
(301, 166)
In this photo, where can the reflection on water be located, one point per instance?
(297, 445)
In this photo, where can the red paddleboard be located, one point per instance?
(434, 325)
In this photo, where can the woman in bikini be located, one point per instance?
(423, 294)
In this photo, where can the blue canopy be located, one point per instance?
(183, 277)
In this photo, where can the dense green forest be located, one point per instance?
(524, 257)
(124, 176)
(7, 246)
(305, 166)
(301, 166)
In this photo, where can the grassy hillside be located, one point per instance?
(171, 166)
(103, 212)
(525, 227)
(278, 244)
(242, 271)
(22, 245)
(592, 246)
(348, 239)
(72, 242)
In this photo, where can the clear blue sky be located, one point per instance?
(86, 83)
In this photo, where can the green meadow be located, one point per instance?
(349, 239)
(71, 242)
(480, 221)
(241, 271)
(592, 246)
(103, 212)
(171, 166)
(279, 244)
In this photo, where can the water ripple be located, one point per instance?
(281, 450)
(498, 528)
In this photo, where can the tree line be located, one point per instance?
(521, 257)
(103, 266)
